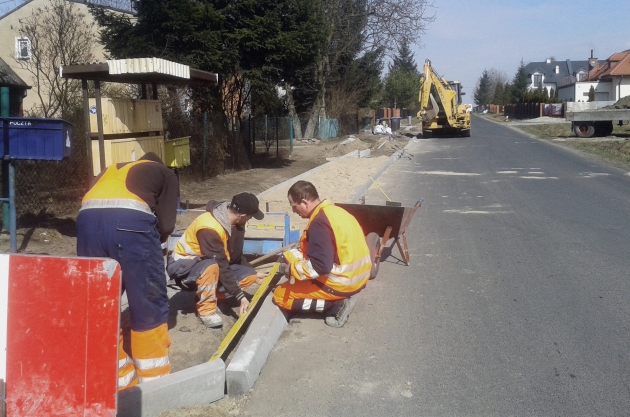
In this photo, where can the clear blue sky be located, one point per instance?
(469, 36)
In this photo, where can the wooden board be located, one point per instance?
(127, 116)
(126, 150)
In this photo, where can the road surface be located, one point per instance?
(515, 303)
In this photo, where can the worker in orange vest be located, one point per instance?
(126, 215)
(208, 256)
(332, 263)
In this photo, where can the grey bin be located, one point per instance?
(367, 123)
(395, 123)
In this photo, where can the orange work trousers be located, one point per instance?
(150, 357)
(207, 293)
(303, 296)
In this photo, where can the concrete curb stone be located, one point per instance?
(200, 384)
(252, 353)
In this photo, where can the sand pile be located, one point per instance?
(623, 103)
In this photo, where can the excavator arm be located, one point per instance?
(431, 82)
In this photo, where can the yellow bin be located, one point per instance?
(177, 152)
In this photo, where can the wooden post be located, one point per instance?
(99, 122)
(88, 128)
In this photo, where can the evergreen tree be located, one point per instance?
(404, 59)
(591, 94)
(519, 84)
(499, 98)
(402, 81)
(482, 91)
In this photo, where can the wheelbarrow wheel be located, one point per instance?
(373, 241)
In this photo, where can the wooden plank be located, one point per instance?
(238, 327)
(598, 115)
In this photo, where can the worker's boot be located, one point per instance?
(341, 317)
(212, 321)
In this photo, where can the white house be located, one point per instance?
(552, 74)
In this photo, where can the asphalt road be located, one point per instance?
(515, 302)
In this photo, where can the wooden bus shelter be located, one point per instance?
(139, 71)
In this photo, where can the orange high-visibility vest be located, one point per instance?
(111, 191)
(353, 271)
(188, 246)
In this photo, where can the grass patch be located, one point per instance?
(556, 130)
(615, 148)
(611, 150)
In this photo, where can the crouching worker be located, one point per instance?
(332, 263)
(208, 256)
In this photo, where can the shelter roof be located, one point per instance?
(8, 77)
(139, 71)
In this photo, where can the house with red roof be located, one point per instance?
(609, 78)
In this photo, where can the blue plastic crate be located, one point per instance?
(31, 138)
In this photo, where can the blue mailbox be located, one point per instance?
(32, 138)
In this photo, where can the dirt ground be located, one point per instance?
(336, 178)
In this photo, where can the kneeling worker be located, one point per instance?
(332, 263)
(204, 256)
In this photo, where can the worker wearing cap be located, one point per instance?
(126, 215)
(208, 256)
(332, 263)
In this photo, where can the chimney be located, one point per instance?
(548, 60)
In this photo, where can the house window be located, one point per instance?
(537, 80)
(22, 48)
(580, 75)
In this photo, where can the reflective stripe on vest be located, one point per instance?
(111, 191)
(188, 246)
(353, 272)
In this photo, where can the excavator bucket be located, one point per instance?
(430, 113)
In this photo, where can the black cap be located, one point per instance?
(247, 203)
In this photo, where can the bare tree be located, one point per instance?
(59, 35)
(496, 77)
(358, 26)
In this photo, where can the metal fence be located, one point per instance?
(48, 190)
(269, 134)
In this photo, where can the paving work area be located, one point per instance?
(338, 180)
(195, 380)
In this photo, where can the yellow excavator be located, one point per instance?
(441, 108)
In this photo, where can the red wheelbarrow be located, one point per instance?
(381, 223)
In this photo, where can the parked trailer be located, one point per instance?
(589, 123)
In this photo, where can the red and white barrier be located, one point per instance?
(59, 320)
